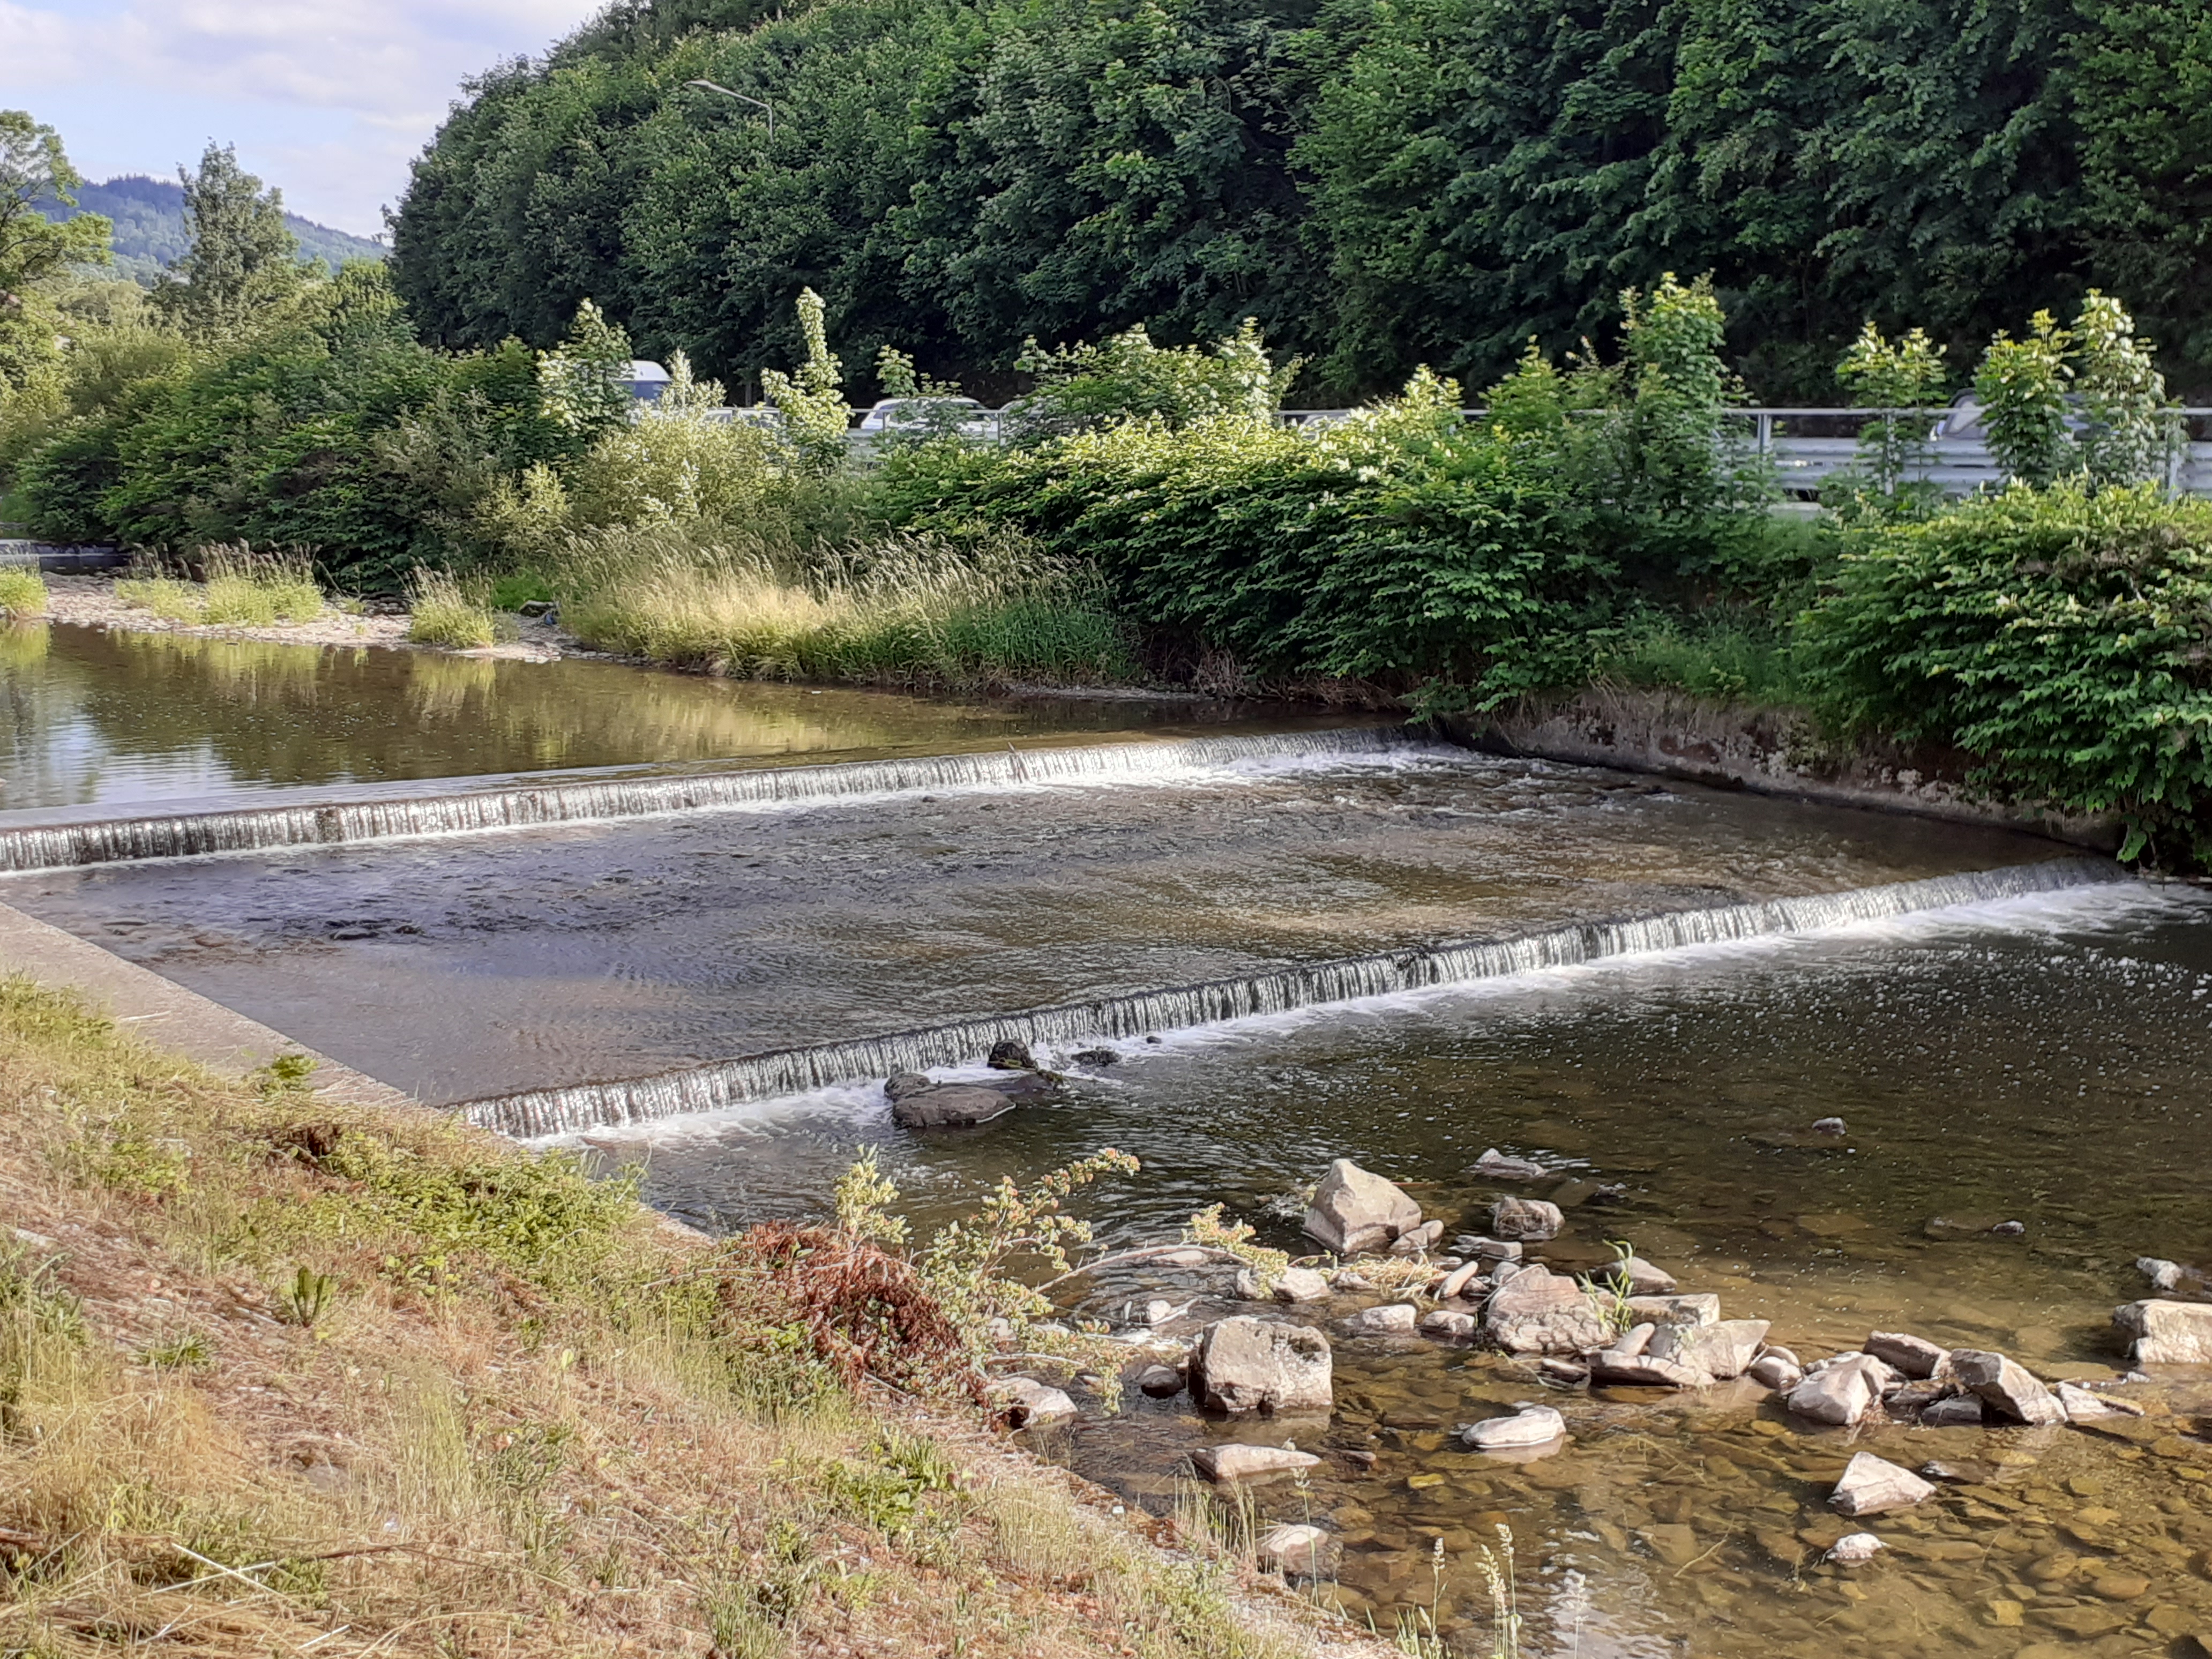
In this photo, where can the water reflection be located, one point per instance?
(118, 719)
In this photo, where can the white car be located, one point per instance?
(929, 418)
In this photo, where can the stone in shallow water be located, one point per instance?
(1391, 1319)
(1498, 1167)
(2086, 1405)
(1915, 1356)
(1530, 1426)
(1960, 1411)
(1449, 1324)
(1702, 1309)
(2167, 1333)
(1643, 1278)
(1300, 1284)
(1160, 1381)
(1027, 1403)
(1855, 1546)
(2006, 1387)
(1529, 1218)
(1355, 1209)
(1720, 1352)
(1241, 1463)
(1297, 1550)
(1774, 1371)
(950, 1106)
(1540, 1312)
(1872, 1485)
(1843, 1391)
(1249, 1364)
(1422, 1238)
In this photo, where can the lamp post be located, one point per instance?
(756, 103)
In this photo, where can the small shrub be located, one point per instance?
(441, 613)
(191, 1351)
(306, 1298)
(22, 594)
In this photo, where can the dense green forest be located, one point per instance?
(1381, 183)
(149, 231)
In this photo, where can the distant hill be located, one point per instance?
(149, 217)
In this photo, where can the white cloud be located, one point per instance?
(329, 100)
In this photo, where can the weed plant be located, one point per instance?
(441, 611)
(244, 588)
(22, 594)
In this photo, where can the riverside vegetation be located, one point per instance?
(1150, 520)
(276, 1371)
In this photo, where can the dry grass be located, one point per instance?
(281, 1376)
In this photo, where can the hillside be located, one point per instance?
(149, 217)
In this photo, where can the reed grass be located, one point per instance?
(22, 594)
(912, 610)
(440, 612)
(244, 588)
(510, 1423)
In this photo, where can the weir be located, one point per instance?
(1346, 979)
(116, 841)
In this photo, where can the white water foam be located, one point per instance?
(255, 829)
(1348, 980)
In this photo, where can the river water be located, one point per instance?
(2003, 1048)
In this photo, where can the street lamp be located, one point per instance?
(756, 103)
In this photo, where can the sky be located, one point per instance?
(327, 100)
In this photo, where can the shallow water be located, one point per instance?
(2038, 1060)
(121, 720)
(471, 966)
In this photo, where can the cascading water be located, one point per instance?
(64, 847)
(1347, 979)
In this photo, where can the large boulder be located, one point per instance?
(1248, 1364)
(2005, 1387)
(950, 1106)
(1537, 1311)
(2165, 1333)
(1355, 1209)
(1871, 1485)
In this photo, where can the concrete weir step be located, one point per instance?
(164, 1012)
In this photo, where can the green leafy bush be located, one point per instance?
(2063, 636)
(1081, 388)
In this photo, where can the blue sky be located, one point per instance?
(328, 101)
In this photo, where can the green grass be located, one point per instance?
(22, 593)
(243, 589)
(1729, 655)
(443, 613)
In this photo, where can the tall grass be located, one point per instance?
(1724, 654)
(244, 588)
(442, 613)
(22, 594)
(911, 611)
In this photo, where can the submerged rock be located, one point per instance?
(1529, 1426)
(1248, 1365)
(1354, 1209)
(2084, 1406)
(1830, 1125)
(2007, 1389)
(1095, 1057)
(2167, 1333)
(1240, 1462)
(1871, 1485)
(1026, 1403)
(1855, 1546)
(1530, 1218)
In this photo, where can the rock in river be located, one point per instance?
(1011, 1055)
(1391, 1319)
(1855, 1546)
(2005, 1388)
(2167, 1332)
(950, 1106)
(1297, 1550)
(1529, 1218)
(1300, 1284)
(1498, 1167)
(1702, 1309)
(1915, 1356)
(1354, 1209)
(1537, 1311)
(1843, 1391)
(1529, 1426)
(1720, 1352)
(1237, 1463)
(1160, 1381)
(1871, 1485)
(1029, 1404)
(1248, 1365)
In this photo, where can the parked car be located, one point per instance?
(929, 418)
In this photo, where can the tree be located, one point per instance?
(34, 169)
(243, 263)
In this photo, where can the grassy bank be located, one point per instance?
(279, 1374)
